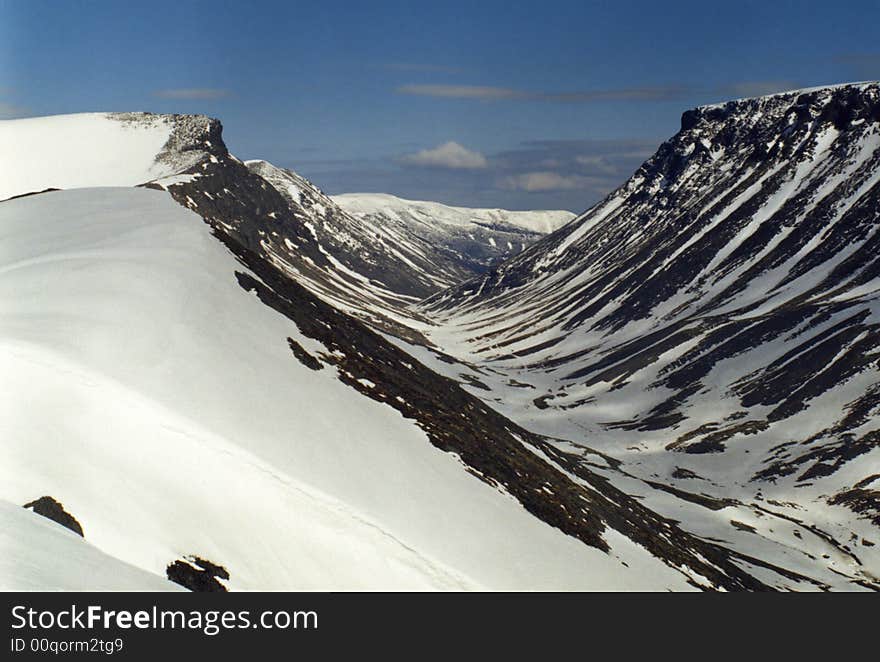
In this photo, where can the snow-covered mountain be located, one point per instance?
(203, 408)
(714, 326)
(462, 241)
(99, 149)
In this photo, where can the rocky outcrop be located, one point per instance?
(53, 510)
(198, 575)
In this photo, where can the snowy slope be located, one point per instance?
(39, 555)
(174, 420)
(714, 324)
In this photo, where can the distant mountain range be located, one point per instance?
(463, 242)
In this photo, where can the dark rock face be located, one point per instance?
(304, 357)
(197, 574)
(863, 501)
(53, 510)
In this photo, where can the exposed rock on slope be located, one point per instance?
(51, 509)
(198, 575)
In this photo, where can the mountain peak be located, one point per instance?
(865, 94)
(102, 149)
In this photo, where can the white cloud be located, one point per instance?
(490, 93)
(595, 164)
(483, 92)
(193, 93)
(448, 155)
(533, 182)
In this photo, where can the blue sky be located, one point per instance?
(513, 104)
